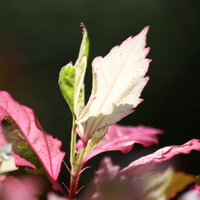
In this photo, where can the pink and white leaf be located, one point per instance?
(122, 138)
(163, 154)
(118, 80)
(46, 148)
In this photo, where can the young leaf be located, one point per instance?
(118, 80)
(44, 146)
(123, 138)
(71, 78)
(163, 154)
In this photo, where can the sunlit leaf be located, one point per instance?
(122, 138)
(143, 163)
(118, 80)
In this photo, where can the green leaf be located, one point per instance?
(71, 78)
(67, 83)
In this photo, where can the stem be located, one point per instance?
(76, 161)
(73, 144)
(75, 175)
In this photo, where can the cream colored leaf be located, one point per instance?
(118, 80)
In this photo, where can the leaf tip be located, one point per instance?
(146, 29)
(84, 30)
(144, 32)
(147, 78)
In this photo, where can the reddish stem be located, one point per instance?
(75, 174)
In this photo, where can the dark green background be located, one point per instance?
(38, 37)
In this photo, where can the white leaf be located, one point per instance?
(118, 80)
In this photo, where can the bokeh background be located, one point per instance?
(38, 37)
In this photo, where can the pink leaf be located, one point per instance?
(107, 171)
(14, 189)
(26, 187)
(123, 138)
(163, 154)
(46, 148)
